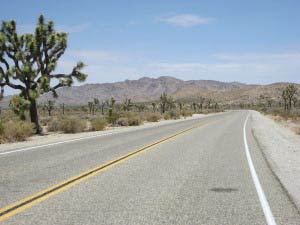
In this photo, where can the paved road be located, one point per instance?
(200, 176)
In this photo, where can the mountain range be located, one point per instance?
(149, 89)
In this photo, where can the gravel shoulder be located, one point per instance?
(281, 147)
(38, 140)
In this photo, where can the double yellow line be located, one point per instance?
(29, 201)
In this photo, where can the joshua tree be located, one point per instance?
(1, 94)
(171, 103)
(153, 106)
(166, 102)
(127, 104)
(285, 99)
(208, 103)
(19, 106)
(102, 107)
(295, 101)
(216, 106)
(163, 102)
(31, 60)
(91, 107)
(291, 92)
(63, 108)
(49, 106)
(181, 105)
(1, 90)
(201, 102)
(96, 104)
(269, 101)
(140, 107)
(110, 102)
(194, 106)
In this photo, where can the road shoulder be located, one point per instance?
(281, 148)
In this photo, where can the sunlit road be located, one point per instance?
(189, 172)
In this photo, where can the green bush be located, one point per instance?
(98, 124)
(13, 131)
(123, 121)
(72, 125)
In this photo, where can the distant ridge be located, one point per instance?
(149, 89)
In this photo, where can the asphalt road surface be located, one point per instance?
(190, 172)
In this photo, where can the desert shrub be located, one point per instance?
(171, 115)
(298, 130)
(98, 124)
(186, 113)
(175, 115)
(13, 131)
(134, 121)
(72, 125)
(1, 127)
(167, 116)
(54, 125)
(44, 121)
(132, 118)
(153, 117)
(123, 121)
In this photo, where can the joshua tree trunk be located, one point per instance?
(34, 116)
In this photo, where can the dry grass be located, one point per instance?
(15, 130)
(123, 121)
(98, 124)
(152, 117)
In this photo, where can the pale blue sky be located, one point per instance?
(255, 41)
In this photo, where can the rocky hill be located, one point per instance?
(149, 89)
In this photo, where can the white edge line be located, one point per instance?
(90, 137)
(262, 198)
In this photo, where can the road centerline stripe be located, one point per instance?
(262, 197)
(30, 148)
(29, 201)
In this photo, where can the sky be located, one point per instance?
(255, 41)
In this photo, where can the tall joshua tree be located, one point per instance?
(28, 62)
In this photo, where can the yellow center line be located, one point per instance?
(31, 200)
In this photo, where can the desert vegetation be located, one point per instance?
(283, 108)
(96, 115)
(28, 63)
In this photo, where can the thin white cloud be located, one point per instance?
(186, 20)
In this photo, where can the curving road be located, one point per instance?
(190, 172)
